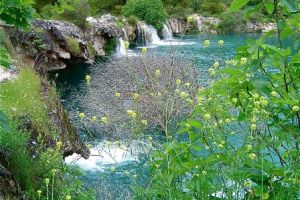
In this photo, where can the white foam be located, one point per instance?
(104, 154)
(5, 75)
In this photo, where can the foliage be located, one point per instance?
(103, 6)
(242, 140)
(132, 20)
(73, 11)
(110, 46)
(23, 96)
(73, 45)
(232, 22)
(16, 12)
(150, 11)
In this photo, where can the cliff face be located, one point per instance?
(203, 24)
(49, 44)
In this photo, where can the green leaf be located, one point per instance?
(291, 4)
(4, 58)
(238, 4)
(4, 122)
(269, 7)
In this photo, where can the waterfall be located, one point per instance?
(125, 37)
(147, 34)
(121, 49)
(167, 33)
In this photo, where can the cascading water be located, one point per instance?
(121, 48)
(147, 34)
(167, 33)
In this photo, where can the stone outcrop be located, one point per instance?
(50, 44)
(9, 188)
(259, 27)
(203, 24)
(64, 128)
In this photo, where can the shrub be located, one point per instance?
(213, 8)
(242, 140)
(231, 22)
(132, 20)
(72, 11)
(110, 46)
(73, 45)
(150, 11)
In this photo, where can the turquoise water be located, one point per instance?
(113, 180)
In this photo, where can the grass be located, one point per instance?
(23, 96)
(19, 161)
(73, 45)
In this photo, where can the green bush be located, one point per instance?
(231, 22)
(242, 140)
(72, 11)
(19, 160)
(213, 8)
(150, 11)
(132, 20)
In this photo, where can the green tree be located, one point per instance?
(242, 140)
(150, 11)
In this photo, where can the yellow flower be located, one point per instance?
(190, 101)
(190, 19)
(178, 81)
(136, 96)
(88, 79)
(94, 118)
(104, 120)
(265, 196)
(249, 147)
(264, 102)
(117, 94)
(47, 181)
(159, 94)
(144, 122)
(204, 173)
(68, 197)
(206, 43)
(58, 144)
(157, 73)
(81, 115)
(221, 145)
(112, 169)
(216, 65)
(187, 84)
(234, 100)
(126, 43)
(253, 126)
(252, 156)
(144, 50)
(221, 42)
(39, 192)
(295, 108)
(274, 94)
(227, 120)
(206, 116)
(211, 71)
(131, 113)
(243, 61)
(184, 95)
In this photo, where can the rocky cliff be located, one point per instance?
(50, 44)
